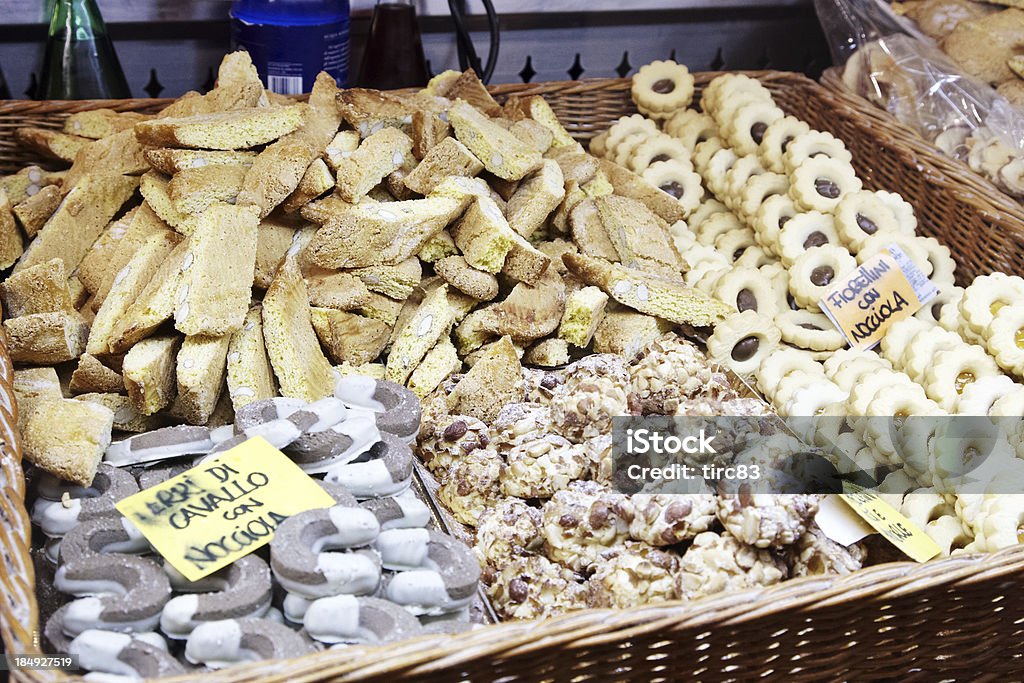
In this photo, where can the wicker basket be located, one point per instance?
(901, 620)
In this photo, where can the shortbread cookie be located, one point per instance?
(859, 215)
(911, 246)
(46, 338)
(737, 177)
(776, 139)
(691, 127)
(678, 180)
(716, 169)
(809, 330)
(986, 296)
(79, 220)
(748, 290)
(979, 396)
(68, 438)
(217, 273)
(735, 243)
(1004, 337)
(716, 225)
(920, 351)
(941, 260)
(946, 303)
(803, 232)
(299, 365)
(758, 189)
(661, 88)
(43, 288)
(626, 127)
(769, 220)
(148, 372)
(238, 129)
(814, 144)
(777, 366)
(953, 370)
(900, 208)
(819, 184)
(746, 129)
(742, 341)
(813, 272)
(654, 149)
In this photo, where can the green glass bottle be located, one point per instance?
(80, 62)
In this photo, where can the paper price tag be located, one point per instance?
(885, 289)
(886, 520)
(211, 515)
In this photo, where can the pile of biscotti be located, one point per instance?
(239, 245)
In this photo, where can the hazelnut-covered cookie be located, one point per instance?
(635, 574)
(718, 562)
(666, 373)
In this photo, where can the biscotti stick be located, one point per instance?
(119, 153)
(350, 338)
(199, 371)
(334, 289)
(584, 310)
(68, 438)
(538, 109)
(638, 238)
(145, 224)
(276, 172)
(97, 262)
(249, 375)
(42, 288)
(236, 129)
(299, 364)
(128, 285)
(432, 320)
(92, 376)
(483, 235)
(100, 123)
(126, 418)
(148, 373)
(155, 190)
(238, 87)
(79, 220)
(439, 364)
(33, 385)
(501, 152)
(46, 338)
(656, 296)
(168, 160)
(316, 181)
(218, 271)
(376, 157)
(447, 158)
(537, 196)
(154, 305)
(397, 281)
(629, 184)
(52, 143)
(496, 379)
(33, 213)
(194, 189)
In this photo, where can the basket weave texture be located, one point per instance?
(893, 621)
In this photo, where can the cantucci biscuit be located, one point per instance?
(299, 365)
(127, 286)
(235, 129)
(168, 160)
(338, 290)
(46, 338)
(101, 123)
(199, 371)
(483, 235)
(385, 233)
(148, 372)
(33, 385)
(33, 213)
(427, 130)
(538, 109)
(348, 337)
(584, 311)
(548, 353)
(341, 147)
(238, 87)
(273, 240)
(376, 157)
(501, 152)
(119, 153)
(397, 281)
(457, 272)
(590, 233)
(432, 320)
(79, 220)
(154, 305)
(155, 189)
(92, 376)
(126, 418)
(68, 438)
(629, 184)
(467, 86)
(98, 261)
(214, 292)
(666, 299)
(195, 189)
(43, 288)
(638, 238)
(537, 196)
(144, 224)
(316, 181)
(51, 143)
(249, 375)
(447, 158)
(496, 379)
(380, 307)
(440, 363)
(277, 170)
(370, 111)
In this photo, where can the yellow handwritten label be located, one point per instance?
(886, 520)
(883, 290)
(211, 515)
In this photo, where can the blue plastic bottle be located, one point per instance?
(291, 41)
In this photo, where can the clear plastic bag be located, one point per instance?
(898, 69)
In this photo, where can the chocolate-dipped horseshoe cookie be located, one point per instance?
(348, 619)
(57, 517)
(404, 511)
(384, 470)
(125, 593)
(443, 573)
(398, 410)
(240, 590)
(218, 644)
(104, 535)
(302, 564)
(343, 442)
(123, 655)
(159, 444)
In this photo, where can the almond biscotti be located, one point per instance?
(169, 160)
(226, 130)
(348, 337)
(43, 288)
(501, 152)
(101, 123)
(46, 338)
(249, 375)
(194, 189)
(376, 157)
(154, 305)
(33, 213)
(52, 143)
(447, 158)
(68, 438)
(199, 372)
(148, 372)
(92, 376)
